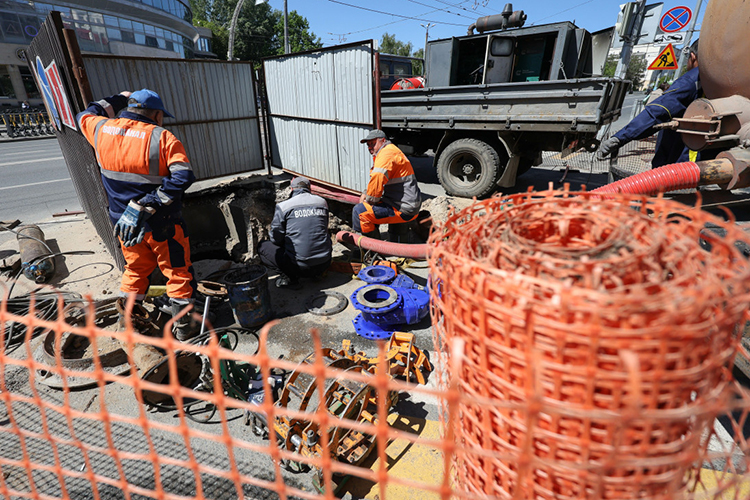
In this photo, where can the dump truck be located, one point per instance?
(493, 101)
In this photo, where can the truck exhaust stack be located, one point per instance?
(507, 19)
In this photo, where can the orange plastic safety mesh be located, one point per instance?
(111, 445)
(598, 334)
(580, 369)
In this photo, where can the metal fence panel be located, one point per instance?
(214, 103)
(320, 105)
(48, 47)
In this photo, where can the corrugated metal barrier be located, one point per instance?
(214, 104)
(320, 104)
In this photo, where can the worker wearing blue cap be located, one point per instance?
(145, 172)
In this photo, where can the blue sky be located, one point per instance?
(336, 21)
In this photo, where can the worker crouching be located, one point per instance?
(145, 172)
(392, 195)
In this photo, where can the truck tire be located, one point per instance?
(468, 168)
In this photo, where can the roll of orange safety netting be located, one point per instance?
(598, 335)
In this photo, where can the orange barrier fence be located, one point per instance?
(571, 366)
(599, 339)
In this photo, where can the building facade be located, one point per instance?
(146, 28)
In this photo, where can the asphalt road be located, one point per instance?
(34, 181)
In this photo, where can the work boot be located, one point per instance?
(284, 281)
(185, 327)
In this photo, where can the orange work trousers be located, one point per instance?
(366, 217)
(172, 255)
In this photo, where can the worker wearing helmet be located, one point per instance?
(392, 194)
(672, 104)
(145, 172)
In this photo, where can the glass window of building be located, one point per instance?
(30, 26)
(79, 15)
(114, 34)
(11, 28)
(111, 21)
(128, 36)
(28, 83)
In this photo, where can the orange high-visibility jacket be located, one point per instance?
(392, 181)
(138, 160)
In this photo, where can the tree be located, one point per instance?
(389, 45)
(417, 65)
(300, 36)
(635, 72)
(259, 32)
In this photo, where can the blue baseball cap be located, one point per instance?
(148, 99)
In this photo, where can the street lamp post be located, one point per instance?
(426, 36)
(286, 31)
(233, 25)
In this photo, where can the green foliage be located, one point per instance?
(300, 36)
(417, 65)
(389, 45)
(259, 32)
(635, 72)
(610, 65)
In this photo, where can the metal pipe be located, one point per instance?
(37, 261)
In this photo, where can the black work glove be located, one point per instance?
(608, 147)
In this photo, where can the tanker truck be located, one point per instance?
(493, 101)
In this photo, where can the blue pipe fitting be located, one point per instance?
(377, 275)
(382, 306)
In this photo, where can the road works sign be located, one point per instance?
(675, 19)
(665, 60)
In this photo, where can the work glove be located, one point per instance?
(131, 227)
(608, 147)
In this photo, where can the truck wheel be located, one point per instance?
(468, 168)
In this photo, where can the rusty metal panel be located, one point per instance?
(214, 103)
(320, 104)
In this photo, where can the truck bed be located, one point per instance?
(580, 105)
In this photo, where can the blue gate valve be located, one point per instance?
(382, 306)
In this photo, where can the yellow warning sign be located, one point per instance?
(665, 59)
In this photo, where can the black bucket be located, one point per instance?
(247, 288)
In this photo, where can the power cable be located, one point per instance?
(395, 15)
(562, 11)
(444, 10)
(459, 6)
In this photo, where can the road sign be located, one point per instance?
(675, 19)
(650, 27)
(677, 38)
(665, 60)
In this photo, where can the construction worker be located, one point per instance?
(299, 244)
(672, 104)
(145, 172)
(392, 194)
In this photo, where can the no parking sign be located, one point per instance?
(675, 19)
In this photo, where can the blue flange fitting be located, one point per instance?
(377, 275)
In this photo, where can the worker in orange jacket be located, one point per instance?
(392, 194)
(145, 172)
